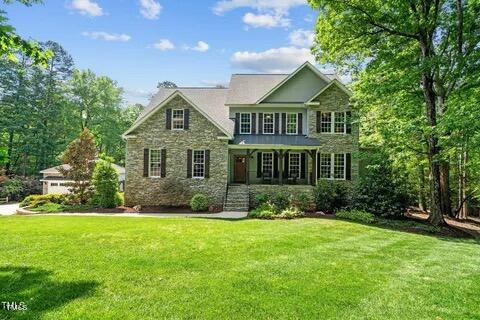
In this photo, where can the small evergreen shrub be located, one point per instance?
(281, 201)
(105, 181)
(200, 202)
(119, 199)
(331, 196)
(261, 198)
(38, 199)
(290, 213)
(301, 201)
(356, 215)
(264, 211)
(49, 207)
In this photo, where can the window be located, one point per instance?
(267, 163)
(339, 166)
(198, 164)
(326, 125)
(268, 123)
(178, 120)
(340, 124)
(245, 123)
(294, 164)
(292, 123)
(325, 165)
(54, 184)
(62, 184)
(155, 161)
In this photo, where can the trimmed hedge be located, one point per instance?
(200, 202)
(356, 215)
(39, 199)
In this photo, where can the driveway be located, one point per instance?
(8, 209)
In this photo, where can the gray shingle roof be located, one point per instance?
(281, 140)
(209, 100)
(248, 88)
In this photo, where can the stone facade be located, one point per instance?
(334, 99)
(201, 135)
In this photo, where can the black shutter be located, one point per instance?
(260, 123)
(277, 123)
(348, 166)
(146, 160)
(284, 123)
(349, 121)
(300, 123)
(259, 164)
(275, 164)
(254, 123)
(285, 167)
(186, 122)
(314, 169)
(168, 119)
(303, 165)
(207, 163)
(319, 121)
(318, 164)
(163, 165)
(237, 123)
(189, 163)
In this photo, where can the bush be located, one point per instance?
(119, 199)
(105, 181)
(290, 213)
(200, 202)
(264, 211)
(301, 201)
(49, 207)
(39, 199)
(18, 188)
(281, 201)
(356, 215)
(331, 196)
(261, 198)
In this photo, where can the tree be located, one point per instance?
(105, 181)
(80, 160)
(426, 49)
(166, 84)
(11, 43)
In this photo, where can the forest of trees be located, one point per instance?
(42, 109)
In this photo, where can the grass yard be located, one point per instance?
(150, 268)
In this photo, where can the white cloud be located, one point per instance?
(301, 38)
(87, 7)
(164, 44)
(280, 6)
(107, 36)
(150, 9)
(201, 46)
(265, 20)
(277, 60)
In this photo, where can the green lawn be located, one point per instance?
(149, 268)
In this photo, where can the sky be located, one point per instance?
(139, 43)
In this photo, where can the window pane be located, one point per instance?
(155, 159)
(291, 123)
(198, 163)
(325, 165)
(339, 166)
(177, 118)
(326, 122)
(268, 123)
(339, 122)
(245, 123)
(294, 164)
(267, 163)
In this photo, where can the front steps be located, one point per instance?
(237, 198)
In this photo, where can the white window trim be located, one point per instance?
(150, 163)
(332, 123)
(332, 167)
(299, 162)
(240, 124)
(320, 169)
(263, 122)
(183, 120)
(193, 164)
(273, 159)
(296, 123)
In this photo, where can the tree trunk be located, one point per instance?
(462, 194)
(445, 188)
(422, 201)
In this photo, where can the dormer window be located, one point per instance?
(178, 119)
(268, 123)
(245, 123)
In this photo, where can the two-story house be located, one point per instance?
(265, 132)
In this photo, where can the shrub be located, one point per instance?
(290, 213)
(264, 211)
(281, 201)
(38, 199)
(17, 188)
(301, 201)
(200, 202)
(356, 215)
(119, 199)
(331, 196)
(49, 207)
(105, 181)
(261, 198)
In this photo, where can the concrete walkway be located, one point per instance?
(8, 209)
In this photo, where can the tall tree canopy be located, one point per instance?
(412, 60)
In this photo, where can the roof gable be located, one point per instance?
(298, 86)
(334, 84)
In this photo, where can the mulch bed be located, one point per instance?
(145, 209)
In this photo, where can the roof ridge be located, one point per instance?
(192, 87)
(260, 74)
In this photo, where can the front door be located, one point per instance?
(240, 169)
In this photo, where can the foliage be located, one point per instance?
(381, 190)
(301, 201)
(281, 201)
(290, 213)
(119, 199)
(16, 188)
(263, 211)
(80, 158)
(356, 215)
(200, 202)
(331, 196)
(38, 199)
(105, 182)
(167, 84)
(261, 198)
(48, 207)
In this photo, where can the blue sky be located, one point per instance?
(193, 43)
